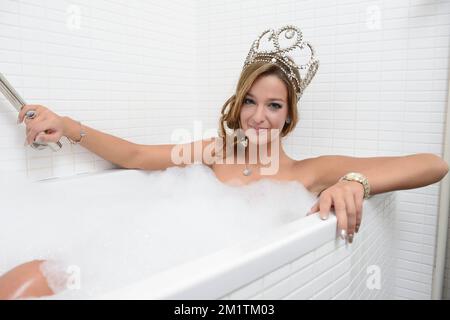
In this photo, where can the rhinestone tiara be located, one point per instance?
(279, 56)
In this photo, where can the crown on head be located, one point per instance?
(279, 56)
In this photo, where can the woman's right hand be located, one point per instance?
(45, 127)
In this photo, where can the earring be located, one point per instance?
(243, 141)
(241, 137)
(288, 120)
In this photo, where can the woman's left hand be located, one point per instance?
(347, 198)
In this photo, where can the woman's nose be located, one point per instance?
(259, 114)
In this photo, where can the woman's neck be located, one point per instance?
(261, 155)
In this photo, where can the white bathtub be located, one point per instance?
(300, 260)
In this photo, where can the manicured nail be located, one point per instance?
(356, 229)
(38, 138)
(324, 217)
(350, 238)
(343, 234)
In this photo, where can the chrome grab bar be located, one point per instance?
(16, 100)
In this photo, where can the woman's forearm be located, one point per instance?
(384, 174)
(408, 172)
(116, 150)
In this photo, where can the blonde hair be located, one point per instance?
(231, 110)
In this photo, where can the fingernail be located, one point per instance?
(324, 217)
(350, 238)
(343, 234)
(356, 229)
(38, 138)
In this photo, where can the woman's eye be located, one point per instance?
(276, 105)
(272, 105)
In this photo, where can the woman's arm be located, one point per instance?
(159, 157)
(47, 126)
(136, 156)
(116, 150)
(384, 173)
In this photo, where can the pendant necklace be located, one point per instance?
(247, 171)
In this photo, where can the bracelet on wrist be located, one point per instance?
(82, 134)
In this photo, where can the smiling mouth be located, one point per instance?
(257, 129)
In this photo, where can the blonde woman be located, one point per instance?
(262, 111)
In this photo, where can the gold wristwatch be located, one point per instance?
(355, 176)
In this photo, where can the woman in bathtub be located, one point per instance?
(253, 121)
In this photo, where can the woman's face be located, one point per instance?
(265, 106)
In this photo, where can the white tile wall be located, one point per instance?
(138, 69)
(336, 270)
(124, 67)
